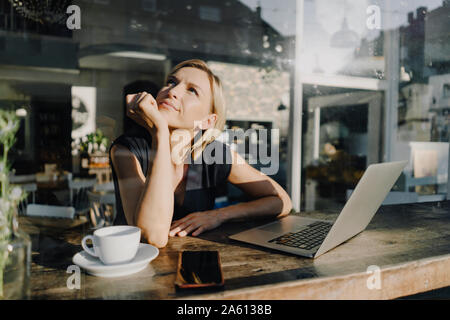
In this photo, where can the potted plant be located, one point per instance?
(91, 147)
(15, 245)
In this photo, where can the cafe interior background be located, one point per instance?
(346, 83)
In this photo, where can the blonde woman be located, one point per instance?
(167, 196)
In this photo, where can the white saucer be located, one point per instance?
(94, 266)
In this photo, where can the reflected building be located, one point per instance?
(366, 94)
(120, 43)
(406, 109)
(424, 106)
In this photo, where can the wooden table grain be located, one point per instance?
(405, 247)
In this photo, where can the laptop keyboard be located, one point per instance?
(308, 238)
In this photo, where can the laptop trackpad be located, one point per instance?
(276, 227)
(287, 224)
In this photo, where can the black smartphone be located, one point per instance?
(199, 269)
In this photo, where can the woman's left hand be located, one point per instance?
(196, 223)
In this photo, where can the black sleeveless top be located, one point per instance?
(203, 179)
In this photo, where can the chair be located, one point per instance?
(102, 208)
(28, 183)
(107, 187)
(43, 210)
(13, 179)
(96, 216)
(78, 194)
(29, 188)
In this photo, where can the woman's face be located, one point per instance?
(186, 98)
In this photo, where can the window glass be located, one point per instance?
(68, 71)
(374, 90)
(363, 81)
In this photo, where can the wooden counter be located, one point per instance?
(410, 244)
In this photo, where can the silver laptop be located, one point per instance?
(311, 237)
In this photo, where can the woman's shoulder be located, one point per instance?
(138, 145)
(135, 143)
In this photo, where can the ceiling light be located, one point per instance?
(138, 55)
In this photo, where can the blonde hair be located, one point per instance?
(217, 105)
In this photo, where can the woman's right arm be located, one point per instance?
(155, 207)
(147, 200)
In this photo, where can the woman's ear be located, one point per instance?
(209, 121)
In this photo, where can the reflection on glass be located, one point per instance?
(338, 41)
(72, 82)
(423, 110)
(375, 78)
(408, 118)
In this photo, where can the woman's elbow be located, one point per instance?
(156, 238)
(157, 241)
(286, 206)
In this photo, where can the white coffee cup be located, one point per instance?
(115, 244)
